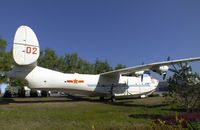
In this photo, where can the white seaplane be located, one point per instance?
(122, 82)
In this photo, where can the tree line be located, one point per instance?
(72, 63)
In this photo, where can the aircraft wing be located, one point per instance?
(147, 67)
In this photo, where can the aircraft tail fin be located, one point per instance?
(26, 49)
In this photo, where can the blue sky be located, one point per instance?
(122, 31)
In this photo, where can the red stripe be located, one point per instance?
(70, 81)
(81, 81)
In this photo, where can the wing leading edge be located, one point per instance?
(147, 67)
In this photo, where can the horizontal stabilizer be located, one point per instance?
(26, 47)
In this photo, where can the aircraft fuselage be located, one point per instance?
(86, 84)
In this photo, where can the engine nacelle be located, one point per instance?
(163, 69)
(139, 73)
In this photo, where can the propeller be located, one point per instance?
(162, 70)
(180, 66)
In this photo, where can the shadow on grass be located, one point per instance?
(177, 109)
(126, 103)
(145, 116)
(181, 109)
(4, 101)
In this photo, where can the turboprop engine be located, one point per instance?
(163, 71)
(139, 73)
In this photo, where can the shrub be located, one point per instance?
(43, 93)
(165, 94)
(184, 88)
(21, 92)
(154, 95)
(184, 120)
(194, 125)
(33, 93)
(7, 94)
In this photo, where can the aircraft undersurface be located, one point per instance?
(122, 82)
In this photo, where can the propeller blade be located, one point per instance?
(142, 63)
(180, 65)
(164, 75)
(173, 70)
(187, 65)
(175, 67)
(168, 58)
(142, 76)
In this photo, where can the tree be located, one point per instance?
(48, 59)
(20, 85)
(74, 64)
(3, 45)
(62, 64)
(184, 88)
(5, 61)
(71, 63)
(101, 66)
(119, 66)
(17, 82)
(7, 94)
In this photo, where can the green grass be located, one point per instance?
(62, 113)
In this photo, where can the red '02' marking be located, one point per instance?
(31, 50)
(34, 50)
